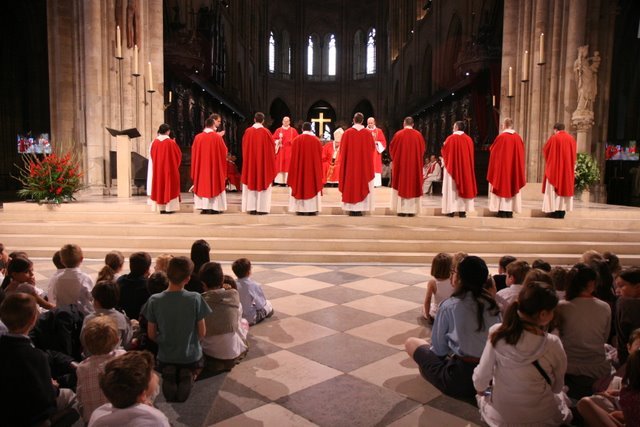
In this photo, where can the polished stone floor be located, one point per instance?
(330, 356)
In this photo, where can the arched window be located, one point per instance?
(331, 71)
(310, 46)
(285, 54)
(371, 51)
(272, 53)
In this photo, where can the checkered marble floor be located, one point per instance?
(332, 354)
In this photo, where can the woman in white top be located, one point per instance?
(439, 288)
(524, 365)
(584, 323)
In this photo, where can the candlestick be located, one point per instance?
(118, 43)
(541, 54)
(510, 90)
(150, 78)
(136, 72)
(525, 67)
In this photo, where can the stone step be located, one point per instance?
(233, 230)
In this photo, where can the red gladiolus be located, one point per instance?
(58, 190)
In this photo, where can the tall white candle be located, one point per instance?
(169, 97)
(541, 55)
(135, 60)
(118, 43)
(510, 91)
(493, 100)
(525, 66)
(150, 77)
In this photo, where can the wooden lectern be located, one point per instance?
(123, 159)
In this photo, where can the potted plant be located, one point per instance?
(50, 179)
(587, 173)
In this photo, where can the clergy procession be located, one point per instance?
(352, 161)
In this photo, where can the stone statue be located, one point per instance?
(586, 74)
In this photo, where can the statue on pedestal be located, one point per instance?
(586, 73)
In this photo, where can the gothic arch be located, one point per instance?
(426, 76)
(365, 107)
(277, 111)
(322, 106)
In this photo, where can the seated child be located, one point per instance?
(133, 286)
(162, 262)
(20, 278)
(516, 272)
(105, 298)
(255, 305)
(559, 278)
(226, 338)
(71, 286)
(29, 395)
(130, 384)
(114, 261)
(439, 288)
(57, 261)
(176, 324)
(101, 339)
(229, 282)
(4, 260)
(541, 264)
(501, 278)
(157, 283)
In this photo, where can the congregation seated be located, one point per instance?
(627, 314)
(158, 282)
(256, 307)
(459, 332)
(20, 278)
(113, 264)
(133, 286)
(102, 342)
(520, 376)
(200, 255)
(130, 385)
(439, 288)
(105, 299)
(516, 272)
(71, 286)
(584, 325)
(500, 279)
(226, 339)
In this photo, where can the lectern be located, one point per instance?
(123, 158)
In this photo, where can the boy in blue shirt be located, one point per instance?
(255, 306)
(176, 324)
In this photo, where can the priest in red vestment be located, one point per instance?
(209, 170)
(356, 171)
(381, 144)
(305, 173)
(406, 149)
(458, 173)
(331, 159)
(506, 174)
(282, 137)
(166, 157)
(258, 167)
(559, 172)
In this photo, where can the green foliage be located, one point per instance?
(587, 172)
(52, 178)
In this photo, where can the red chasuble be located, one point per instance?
(378, 135)
(560, 161)
(506, 165)
(283, 157)
(357, 169)
(305, 170)
(233, 175)
(458, 156)
(407, 149)
(166, 157)
(258, 159)
(327, 157)
(208, 165)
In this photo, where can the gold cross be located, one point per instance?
(321, 121)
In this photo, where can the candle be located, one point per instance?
(169, 97)
(510, 91)
(118, 43)
(541, 56)
(493, 100)
(150, 78)
(525, 67)
(135, 61)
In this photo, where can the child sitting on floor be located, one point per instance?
(131, 385)
(439, 288)
(114, 261)
(255, 305)
(105, 298)
(176, 323)
(71, 286)
(101, 339)
(20, 278)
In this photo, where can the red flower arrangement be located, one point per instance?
(53, 178)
